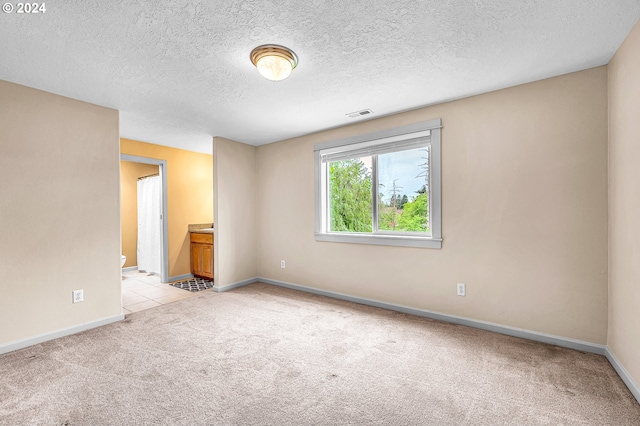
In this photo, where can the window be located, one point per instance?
(381, 188)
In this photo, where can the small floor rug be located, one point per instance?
(194, 284)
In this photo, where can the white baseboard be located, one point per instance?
(624, 374)
(496, 328)
(20, 344)
(220, 289)
(180, 278)
(130, 269)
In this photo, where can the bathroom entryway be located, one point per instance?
(144, 213)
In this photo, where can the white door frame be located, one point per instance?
(162, 167)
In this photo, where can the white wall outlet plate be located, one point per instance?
(462, 290)
(282, 264)
(78, 296)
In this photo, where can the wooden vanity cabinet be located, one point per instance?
(202, 255)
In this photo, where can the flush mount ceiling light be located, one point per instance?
(274, 62)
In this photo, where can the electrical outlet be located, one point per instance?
(78, 296)
(462, 290)
(282, 264)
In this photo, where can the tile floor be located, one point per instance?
(142, 291)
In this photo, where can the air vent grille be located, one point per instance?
(359, 113)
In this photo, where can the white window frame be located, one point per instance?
(322, 233)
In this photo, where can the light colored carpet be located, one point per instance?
(263, 355)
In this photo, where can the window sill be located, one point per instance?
(381, 240)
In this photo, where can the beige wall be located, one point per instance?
(129, 174)
(624, 204)
(235, 235)
(59, 213)
(189, 195)
(524, 195)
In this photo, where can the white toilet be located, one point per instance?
(123, 260)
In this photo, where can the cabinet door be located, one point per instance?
(202, 260)
(196, 259)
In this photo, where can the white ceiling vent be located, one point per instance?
(359, 113)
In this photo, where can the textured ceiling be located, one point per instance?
(179, 70)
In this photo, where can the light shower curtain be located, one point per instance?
(149, 225)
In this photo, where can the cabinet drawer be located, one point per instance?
(201, 238)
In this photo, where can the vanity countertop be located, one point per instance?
(203, 231)
(202, 228)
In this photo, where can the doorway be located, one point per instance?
(155, 228)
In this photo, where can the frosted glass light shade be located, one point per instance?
(274, 62)
(274, 68)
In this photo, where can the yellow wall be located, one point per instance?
(129, 174)
(189, 195)
(236, 210)
(59, 213)
(624, 204)
(524, 208)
